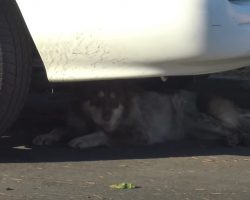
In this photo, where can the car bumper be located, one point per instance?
(94, 39)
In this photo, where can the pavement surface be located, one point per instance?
(182, 170)
(185, 170)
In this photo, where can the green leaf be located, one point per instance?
(123, 186)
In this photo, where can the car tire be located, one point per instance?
(15, 59)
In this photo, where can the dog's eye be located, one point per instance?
(96, 102)
(101, 94)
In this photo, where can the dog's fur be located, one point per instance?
(110, 117)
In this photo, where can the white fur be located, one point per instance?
(48, 139)
(225, 111)
(160, 117)
(92, 140)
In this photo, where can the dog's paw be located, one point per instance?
(45, 139)
(87, 141)
(232, 140)
(81, 142)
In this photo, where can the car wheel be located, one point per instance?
(15, 57)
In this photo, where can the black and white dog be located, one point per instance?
(109, 117)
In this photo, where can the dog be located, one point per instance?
(109, 116)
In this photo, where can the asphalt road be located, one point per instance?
(186, 170)
(182, 170)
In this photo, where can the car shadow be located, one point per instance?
(43, 112)
(19, 149)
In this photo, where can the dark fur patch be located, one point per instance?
(202, 102)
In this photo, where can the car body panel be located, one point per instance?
(95, 39)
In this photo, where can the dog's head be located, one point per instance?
(105, 107)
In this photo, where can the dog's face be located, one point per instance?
(105, 109)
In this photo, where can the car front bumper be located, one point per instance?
(95, 39)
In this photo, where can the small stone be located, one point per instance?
(9, 189)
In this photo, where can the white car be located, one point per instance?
(82, 40)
